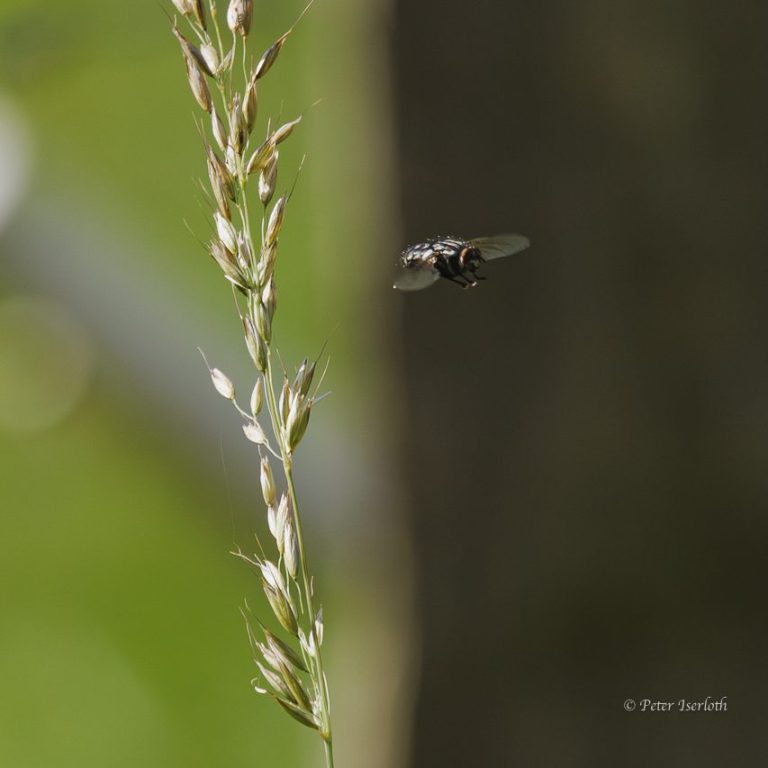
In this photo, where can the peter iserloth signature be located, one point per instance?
(709, 704)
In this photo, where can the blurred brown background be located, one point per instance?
(588, 430)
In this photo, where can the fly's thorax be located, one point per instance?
(455, 256)
(423, 253)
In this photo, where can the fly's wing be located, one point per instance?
(499, 246)
(415, 276)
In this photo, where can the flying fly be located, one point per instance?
(452, 258)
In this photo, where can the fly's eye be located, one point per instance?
(470, 258)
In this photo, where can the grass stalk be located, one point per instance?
(289, 656)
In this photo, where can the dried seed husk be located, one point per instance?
(226, 261)
(239, 14)
(197, 84)
(282, 648)
(319, 626)
(304, 717)
(259, 158)
(257, 397)
(226, 231)
(192, 53)
(199, 12)
(263, 323)
(269, 297)
(267, 262)
(255, 433)
(281, 517)
(282, 609)
(256, 347)
(250, 104)
(306, 379)
(211, 57)
(285, 130)
(298, 426)
(268, 179)
(237, 134)
(183, 6)
(192, 8)
(218, 130)
(284, 401)
(222, 384)
(274, 680)
(275, 221)
(272, 521)
(244, 256)
(269, 57)
(290, 550)
(267, 482)
(219, 168)
(298, 694)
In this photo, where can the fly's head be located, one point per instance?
(470, 259)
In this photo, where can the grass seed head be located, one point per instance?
(259, 158)
(267, 482)
(250, 104)
(263, 322)
(274, 680)
(269, 57)
(268, 178)
(192, 53)
(218, 130)
(272, 520)
(275, 223)
(193, 10)
(290, 550)
(223, 384)
(255, 433)
(257, 349)
(282, 608)
(239, 14)
(244, 255)
(297, 423)
(267, 262)
(197, 84)
(284, 651)
(281, 520)
(285, 130)
(257, 397)
(269, 297)
(238, 133)
(211, 57)
(298, 694)
(284, 401)
(226, 231)
(227, 262)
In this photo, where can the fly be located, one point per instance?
(452, 258)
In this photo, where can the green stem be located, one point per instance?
(328, 753)
(317, 659)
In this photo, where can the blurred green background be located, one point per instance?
(124, 481)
